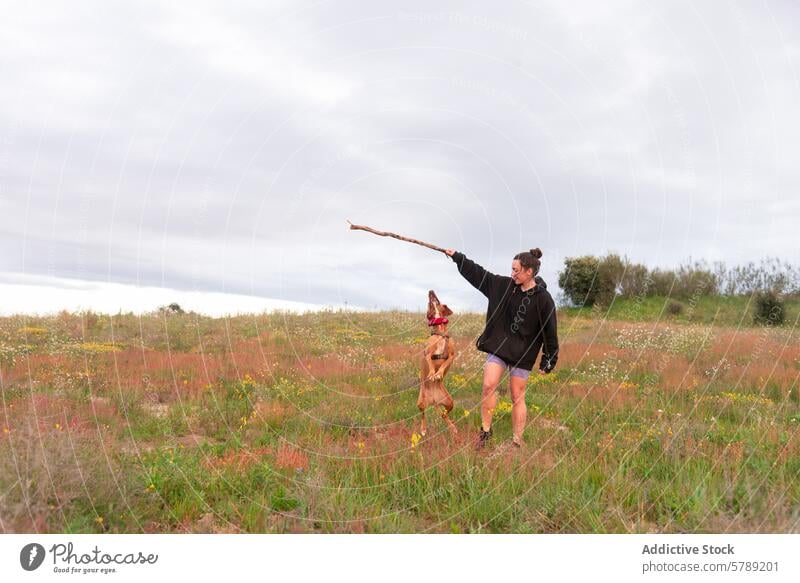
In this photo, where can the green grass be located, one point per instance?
(616, 442)
(718, 310)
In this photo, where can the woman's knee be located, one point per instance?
(489, 388)
(517, 392)
(492, 374)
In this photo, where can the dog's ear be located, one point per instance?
(446, 311)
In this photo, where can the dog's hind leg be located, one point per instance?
(447, 406)
(422, 404)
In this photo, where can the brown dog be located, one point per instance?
(439, 355)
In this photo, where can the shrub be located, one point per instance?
(695, 279)
(173, 308)
(579, 280)
(611, 272)
(591, 280)
(662, 282)
(769, 274)
(769, 309)
(674, 308)
(635, 281)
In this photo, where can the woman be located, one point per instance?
(520, 320)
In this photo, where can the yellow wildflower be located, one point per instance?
(504, 407)
(31, 331)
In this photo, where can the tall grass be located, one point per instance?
(307, 423)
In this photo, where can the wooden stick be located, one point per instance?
(396, 236)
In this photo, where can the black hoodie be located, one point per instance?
(518, 323)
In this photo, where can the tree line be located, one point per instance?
(590, 280)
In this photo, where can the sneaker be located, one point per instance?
(483, 438)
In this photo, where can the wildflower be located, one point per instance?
(504, 407)
(32, 331)
(98, 347)
(415, 438)
(740, 398)
(99, 520)
(466, 412)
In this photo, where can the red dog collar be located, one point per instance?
(436, 321)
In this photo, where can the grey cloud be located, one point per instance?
(222, 147)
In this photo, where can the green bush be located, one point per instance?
(635, 281)
(769, 309)
(674, 308)
(688, 281)
(590, 280)
(579, 279)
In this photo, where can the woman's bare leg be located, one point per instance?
(492, 373)
(519, 411)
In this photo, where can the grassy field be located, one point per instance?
(731, 311)
(306, 423)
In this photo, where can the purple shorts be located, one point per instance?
(515, 371)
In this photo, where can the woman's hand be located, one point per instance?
(449, 252)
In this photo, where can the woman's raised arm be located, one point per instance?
(476, 275)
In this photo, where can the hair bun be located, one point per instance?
(536, 252)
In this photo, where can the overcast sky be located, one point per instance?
(221, 147)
